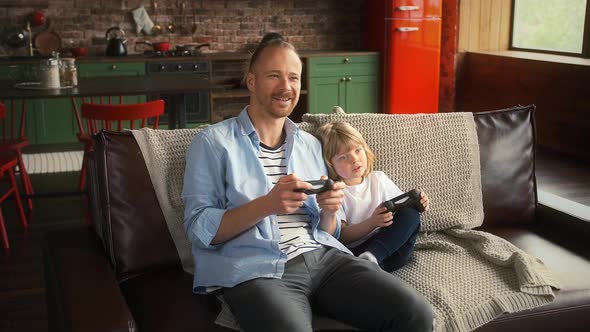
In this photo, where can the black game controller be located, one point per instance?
(409, 199)
(319, 186)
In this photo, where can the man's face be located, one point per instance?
(275, 82)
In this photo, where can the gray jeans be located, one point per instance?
(331, 283)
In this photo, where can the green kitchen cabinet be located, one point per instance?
(52, 120)
(351, 82)
(87, 70)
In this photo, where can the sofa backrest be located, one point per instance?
(127, 217)
(507, 156)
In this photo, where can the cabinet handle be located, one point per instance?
(407, 8)
(407, 29)
(348, 79)
(113, 67)
(343, 79)
(346, 60)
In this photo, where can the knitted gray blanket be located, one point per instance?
(470, 277)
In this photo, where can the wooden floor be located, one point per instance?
(22, 285)
(22, 292)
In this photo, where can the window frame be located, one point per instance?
(585, 39)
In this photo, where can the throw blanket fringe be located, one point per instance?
(471, 277)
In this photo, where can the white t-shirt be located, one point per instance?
(360, 200)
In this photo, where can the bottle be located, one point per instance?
(69, 72)
(49, 74)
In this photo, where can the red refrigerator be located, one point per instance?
(407, 33)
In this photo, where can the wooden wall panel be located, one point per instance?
(484, 25)
(560, 91)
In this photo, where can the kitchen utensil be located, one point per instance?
(184, 29)
(157, 29)
(157, 46)
(115, 42)
(194, 28)
(47, 41)
(171, 28)
(38, 18)
(79, 51)
(191, 48)
(16, 37)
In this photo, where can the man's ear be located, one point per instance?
(250, 80)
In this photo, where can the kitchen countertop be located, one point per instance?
(203, 57)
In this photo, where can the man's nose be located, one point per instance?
(284, 83)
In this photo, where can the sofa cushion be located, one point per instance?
(571, 308)
(163, 301)
(507, 156)
(132, 225)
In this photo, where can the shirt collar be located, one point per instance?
(247, 128)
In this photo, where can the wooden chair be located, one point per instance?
(8, 164)
(114, 117)
(14, 140)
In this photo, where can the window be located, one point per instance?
(551, 26)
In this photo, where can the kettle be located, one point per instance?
(115, 42)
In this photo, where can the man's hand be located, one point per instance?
(283, 199)
(329, 202)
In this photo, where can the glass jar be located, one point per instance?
(49, 74)
(69, 72)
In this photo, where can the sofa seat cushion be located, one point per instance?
(571, 307)
(163, 301)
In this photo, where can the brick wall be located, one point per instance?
(229, 25)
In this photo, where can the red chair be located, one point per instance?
(113, 117)
(7, 165)
(14, 141)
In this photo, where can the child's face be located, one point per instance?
(350, 164)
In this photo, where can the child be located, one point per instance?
(367, 229)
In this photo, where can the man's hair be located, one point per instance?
(338, 135)
(271, 39)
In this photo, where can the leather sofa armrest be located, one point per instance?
(82, 291)
(567, 230)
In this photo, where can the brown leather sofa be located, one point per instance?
(123, 273)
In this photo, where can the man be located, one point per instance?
(272, 250)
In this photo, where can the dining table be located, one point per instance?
(178, 85)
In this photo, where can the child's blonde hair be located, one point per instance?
(336, 135)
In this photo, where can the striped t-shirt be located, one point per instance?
(295, 228)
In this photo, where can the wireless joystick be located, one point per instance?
(319, 186)
(408, 199)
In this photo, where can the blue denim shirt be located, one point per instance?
(223, 172)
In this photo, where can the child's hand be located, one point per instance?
(380, 217)
(424, 200)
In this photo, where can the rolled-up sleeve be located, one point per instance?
(203, 191)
